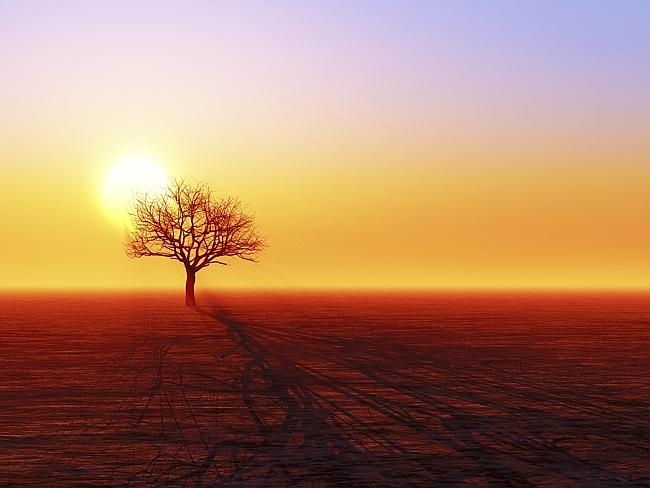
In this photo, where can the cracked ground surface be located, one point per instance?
(326, 390)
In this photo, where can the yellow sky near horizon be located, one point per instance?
(394, 226)
(399, 154)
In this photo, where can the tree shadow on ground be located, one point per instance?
(253, 405)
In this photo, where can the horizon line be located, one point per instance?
(329, 289)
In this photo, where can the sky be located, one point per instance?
(451, 144)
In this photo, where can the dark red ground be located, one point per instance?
(325, 390)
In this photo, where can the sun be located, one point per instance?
(127, 177)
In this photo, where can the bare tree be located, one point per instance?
(186, 222)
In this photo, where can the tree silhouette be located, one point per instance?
(186, 222)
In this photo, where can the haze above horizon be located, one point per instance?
(443, 145)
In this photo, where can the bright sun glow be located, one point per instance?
(126, 178)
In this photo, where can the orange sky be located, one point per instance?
(382, 158)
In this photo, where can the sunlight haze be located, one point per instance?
(449, 144)
(127, 178)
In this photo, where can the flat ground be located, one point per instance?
(325, 390)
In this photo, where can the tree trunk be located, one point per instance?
(189, 289)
